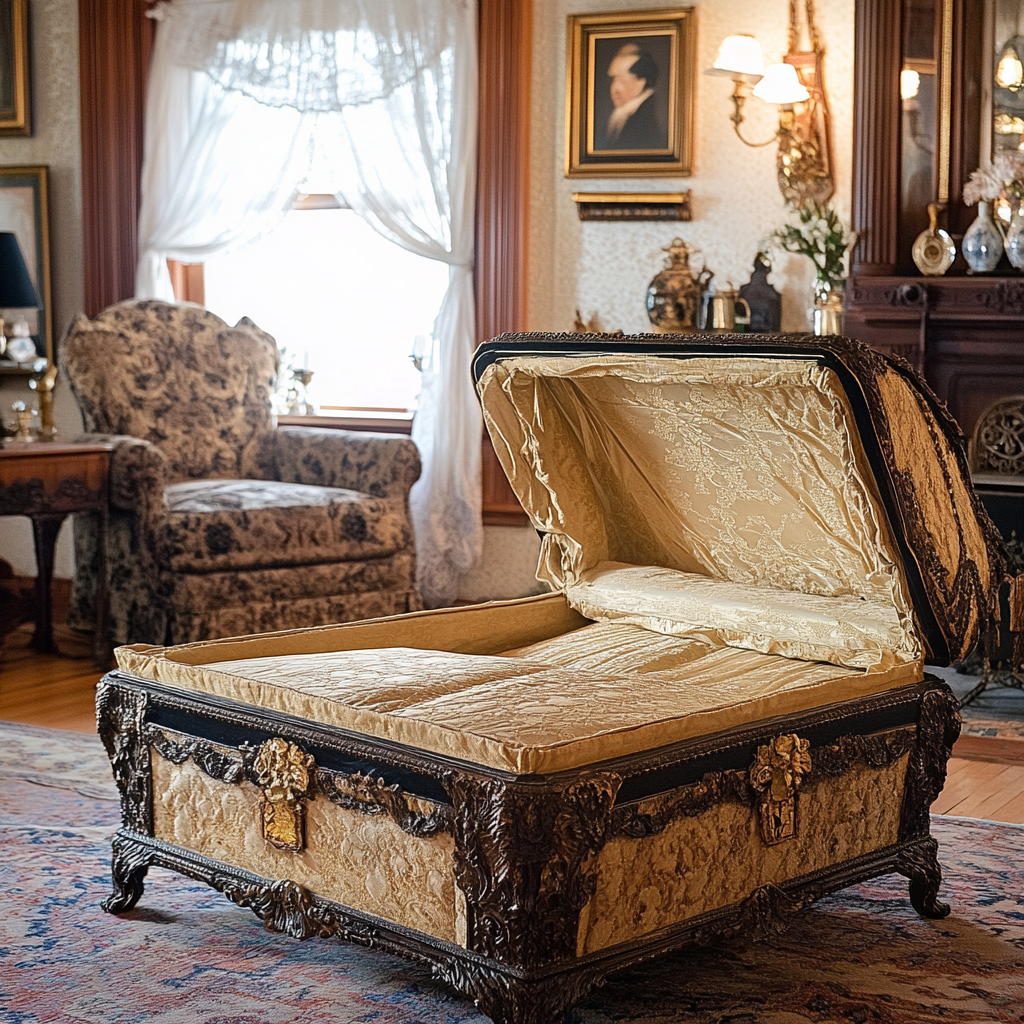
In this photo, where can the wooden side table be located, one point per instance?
(47, 482)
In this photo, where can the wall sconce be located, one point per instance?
(803, 164)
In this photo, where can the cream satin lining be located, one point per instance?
(842, 630)
(742, 471)
(523, 715)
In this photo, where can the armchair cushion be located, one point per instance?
(218, 525)
(382, 465)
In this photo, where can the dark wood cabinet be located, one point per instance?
(965, 332)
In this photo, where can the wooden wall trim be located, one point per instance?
(876, 137)
(502, 207)
(115, 41)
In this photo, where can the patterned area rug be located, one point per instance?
(187, 955)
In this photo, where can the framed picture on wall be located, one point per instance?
(629, 94)
(15, 116)
(24, 209)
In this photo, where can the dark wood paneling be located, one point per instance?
(502, 203)
(876, 136)
(115, 40)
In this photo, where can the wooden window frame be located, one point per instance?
(115, 43)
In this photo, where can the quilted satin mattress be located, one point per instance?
(601, 691)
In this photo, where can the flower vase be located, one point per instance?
(1014, 244)
(983, 244)
(827, 311)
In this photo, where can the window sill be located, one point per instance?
(395, 424)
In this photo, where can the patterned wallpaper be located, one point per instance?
(605, 268)
(55, 141)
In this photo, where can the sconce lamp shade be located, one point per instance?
(740, 57)
(781, 85)
(1010, 69)
(16, 291)
(910, 83)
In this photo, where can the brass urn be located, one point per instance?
(676, 295)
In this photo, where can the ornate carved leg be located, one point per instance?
(510, 1000)
(128, 866)
(920, 863)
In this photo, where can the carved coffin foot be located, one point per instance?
(128, 866)
(920, 863)
(510, 1000)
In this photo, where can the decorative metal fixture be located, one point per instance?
(804, 163)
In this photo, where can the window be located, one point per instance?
(340, 299)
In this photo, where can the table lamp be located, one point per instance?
(16, 289)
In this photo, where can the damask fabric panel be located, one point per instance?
(741, 470)
(841, 630)
(517, 714)
(359, 860)
(180, 377)
(218, 525)
(718, 858)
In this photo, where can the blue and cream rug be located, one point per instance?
(186, 955)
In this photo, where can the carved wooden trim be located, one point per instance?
(115, 39)
(938, 727)
(365, 794)
(120, 714)
(506, 994)
(370, 795)
(524, 860)
(653, 815)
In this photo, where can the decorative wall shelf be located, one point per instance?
(633, 205)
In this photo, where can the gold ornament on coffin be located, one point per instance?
(283, 773)
(776, 775)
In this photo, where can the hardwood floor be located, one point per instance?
(985, 777)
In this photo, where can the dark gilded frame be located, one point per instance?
(15, 107)
(675, 30)
(38, 180)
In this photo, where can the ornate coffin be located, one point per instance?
(718, 714)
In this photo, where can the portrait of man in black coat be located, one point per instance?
(633, 123)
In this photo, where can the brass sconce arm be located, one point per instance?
(738, 100)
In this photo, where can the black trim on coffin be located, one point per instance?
(230, 734)
(517, 346)
(740, 757)
(645, 774)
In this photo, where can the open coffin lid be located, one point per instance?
(795, 496)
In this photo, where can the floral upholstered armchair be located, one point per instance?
(222, 523)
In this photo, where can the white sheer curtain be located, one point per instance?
(244, 94)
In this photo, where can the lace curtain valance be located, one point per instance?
(313, 55)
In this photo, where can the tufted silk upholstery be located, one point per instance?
(221, 523)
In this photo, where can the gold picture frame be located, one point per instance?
(15, 112)
(24, 209)
(621, 122)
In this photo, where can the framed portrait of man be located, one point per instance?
(629, 94)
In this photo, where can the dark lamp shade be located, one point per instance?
(16, 291)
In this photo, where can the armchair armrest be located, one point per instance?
(138, 472)
(384, 465)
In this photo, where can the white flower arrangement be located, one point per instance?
(1005, 177)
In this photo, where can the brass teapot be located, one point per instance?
(675, 296)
